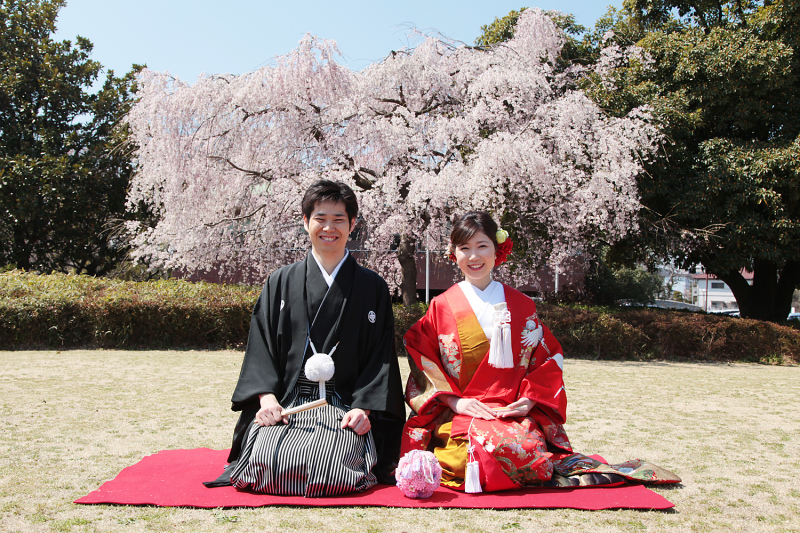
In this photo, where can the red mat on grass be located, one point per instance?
(173, 478)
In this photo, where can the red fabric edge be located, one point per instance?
(173, 478)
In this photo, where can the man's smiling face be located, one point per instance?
(328, 228)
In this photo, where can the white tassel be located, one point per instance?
(508, 354)
(473, 482)
(500, 353)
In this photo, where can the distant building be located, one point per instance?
(712, 294)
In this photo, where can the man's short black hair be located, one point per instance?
(330, 191)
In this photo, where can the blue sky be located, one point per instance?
(188, 38)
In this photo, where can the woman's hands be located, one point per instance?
(357, 420)
(519, 408)
(474, 408)
(270, 412)
(469, 407)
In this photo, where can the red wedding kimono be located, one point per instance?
(449, 352)
(449, 355)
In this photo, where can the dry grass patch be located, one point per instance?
(71, 420)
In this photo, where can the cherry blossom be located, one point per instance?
(422, 135)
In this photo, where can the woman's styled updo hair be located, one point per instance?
(465, 227)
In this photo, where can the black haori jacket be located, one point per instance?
(356, 312)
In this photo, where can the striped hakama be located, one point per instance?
(311, 455)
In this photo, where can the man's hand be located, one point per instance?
(270, 412)
(357, 420)
(469, 407)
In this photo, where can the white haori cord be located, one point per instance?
(472, 483)
(319, 368)
(500, 353)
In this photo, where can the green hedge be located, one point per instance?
(648, 333)
(63, 311)
(60, 310)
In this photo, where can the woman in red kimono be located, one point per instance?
(486, 382)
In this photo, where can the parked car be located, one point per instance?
(724, 312)
(793, 316)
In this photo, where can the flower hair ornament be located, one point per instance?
(504, 245)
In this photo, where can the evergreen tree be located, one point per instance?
(64, 165)
(722, 78)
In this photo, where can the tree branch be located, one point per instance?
(234, 219)
(256, 173)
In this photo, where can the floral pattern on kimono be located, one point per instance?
(554, 433)
(449, 354)
(412, 389)
(419, 435)
(519, 447)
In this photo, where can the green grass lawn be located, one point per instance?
(71, 420)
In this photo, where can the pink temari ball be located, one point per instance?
(418, 474)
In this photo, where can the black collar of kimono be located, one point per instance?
(325, 316)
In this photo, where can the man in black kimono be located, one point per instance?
(322, 302)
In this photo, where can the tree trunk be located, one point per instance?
(21, 251)
(770, 295)
(408, 267)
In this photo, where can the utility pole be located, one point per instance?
(427, 268)
(556, 271)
